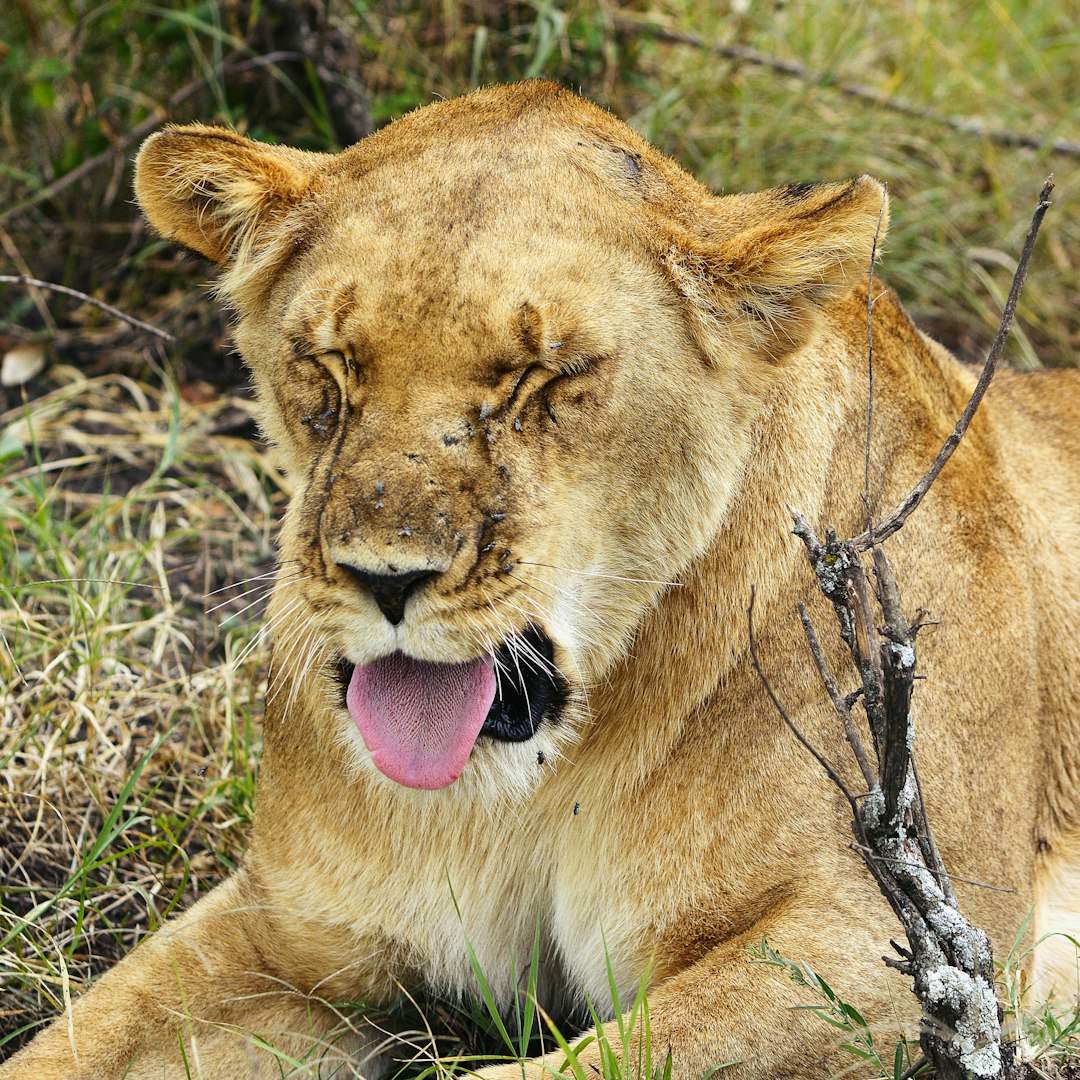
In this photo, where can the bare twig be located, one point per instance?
(908, 1074)
(942, 874)
(966, 125)
(21, 279)
(885, 528)
(925, 837)
(898, 670)
(823, 761)
(867, 651)
(950, 960)
(90, 164)
(843, 709)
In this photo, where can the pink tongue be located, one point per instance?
(420, 719)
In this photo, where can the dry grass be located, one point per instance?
(129, 738)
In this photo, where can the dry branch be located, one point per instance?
(21, 279)
(140, 131)
(949, 959)
(892, 522)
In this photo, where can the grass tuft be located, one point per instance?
(129, 740)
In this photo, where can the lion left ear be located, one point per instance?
(213, 190)
(800, 247)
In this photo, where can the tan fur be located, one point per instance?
(710, 372)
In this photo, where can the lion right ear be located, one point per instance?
(213, 190)
(781, 255)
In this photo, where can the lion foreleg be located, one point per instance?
(198, 999)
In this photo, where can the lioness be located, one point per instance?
(546, 402)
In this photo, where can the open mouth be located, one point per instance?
(420, 719)
(528, 687)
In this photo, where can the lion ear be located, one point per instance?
(212, 190)
(800, 246)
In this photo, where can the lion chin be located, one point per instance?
(546, 403)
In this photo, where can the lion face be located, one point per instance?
(512, 358)
(497, 468)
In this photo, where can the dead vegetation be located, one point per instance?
(130, 707)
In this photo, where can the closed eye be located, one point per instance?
(528, 375)
(542, 377)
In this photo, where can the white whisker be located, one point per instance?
(296, 661)
(291, 563)
(544, 664)
(579, 608)
(264, 594)
(313, 651)
(268, 627)
(284, 646)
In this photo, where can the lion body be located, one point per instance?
(507, 344)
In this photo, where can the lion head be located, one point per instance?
(513, 359)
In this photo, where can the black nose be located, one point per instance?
(389, 590)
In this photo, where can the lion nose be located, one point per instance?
(390, 591)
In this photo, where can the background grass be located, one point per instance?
(136, 504)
